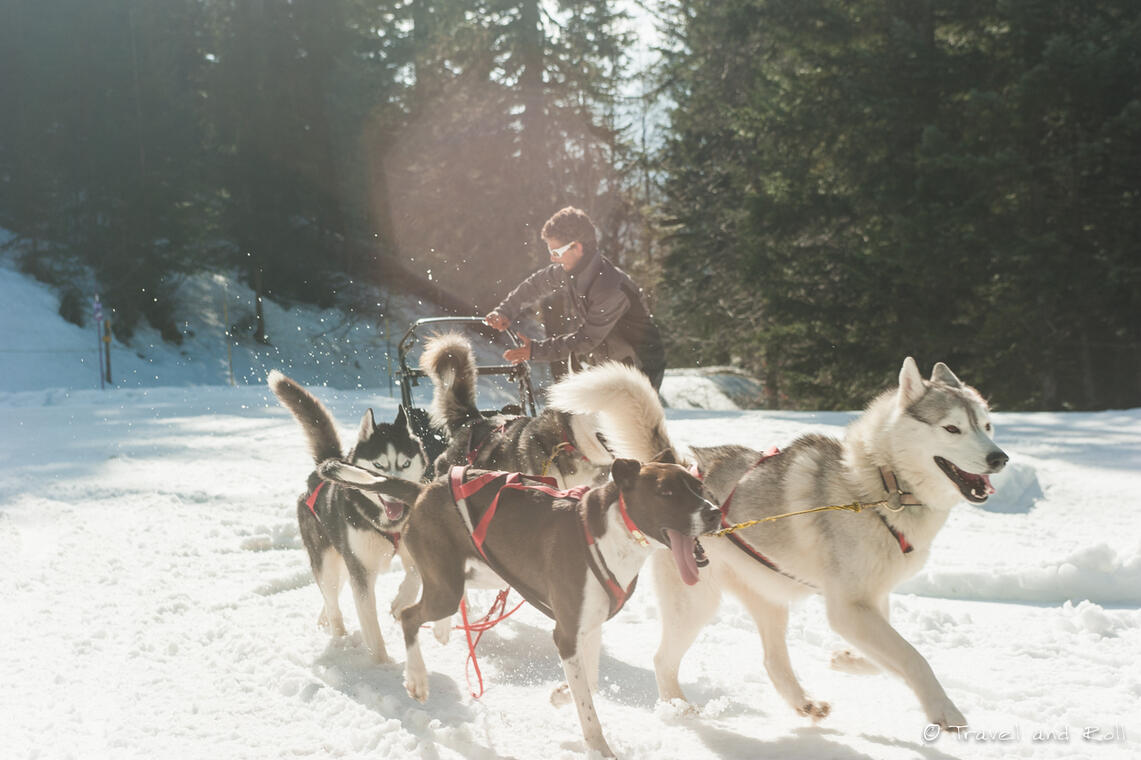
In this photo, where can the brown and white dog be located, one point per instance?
(573, 555)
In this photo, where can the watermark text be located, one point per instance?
(1034, 735)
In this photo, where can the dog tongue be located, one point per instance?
(682, 548)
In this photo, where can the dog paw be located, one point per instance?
(949, 718)
(417, 686)
(677, 708)
(442, 630)
(847, 661)
(335, 628)
(815, 710)
(561, 696)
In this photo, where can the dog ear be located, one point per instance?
(368, 424)
(910, 383)
(401, 418)
(624, 471)
(943, 374)
(666, 457)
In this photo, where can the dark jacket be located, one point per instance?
(606, 312)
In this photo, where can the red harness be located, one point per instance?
(614, 590)
(515, 481)
(741, 543)
(571, 447)
(890, 485)
(311, 502)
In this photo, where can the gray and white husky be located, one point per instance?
(348, 533)
(559, 441)
(923, 447)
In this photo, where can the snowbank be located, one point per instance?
(158, 602)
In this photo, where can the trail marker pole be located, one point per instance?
(97, 312)
(226, 332)
(107, 347)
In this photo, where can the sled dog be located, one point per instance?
(574, 555)
(348, 533)
(557, 442)
(923, 447)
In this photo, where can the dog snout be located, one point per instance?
(996, 460)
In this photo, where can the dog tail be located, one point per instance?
(449, 362)
(320, 431)
(629, 412)
(345, 474)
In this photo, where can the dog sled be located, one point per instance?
(518, 375)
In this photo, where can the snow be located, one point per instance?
(157, 601)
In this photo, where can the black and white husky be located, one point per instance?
(923, 448)
(559, 442)
(348, 533)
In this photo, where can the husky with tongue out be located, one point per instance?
(575, 555)
(916, 452)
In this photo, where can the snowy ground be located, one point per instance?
(157, 602)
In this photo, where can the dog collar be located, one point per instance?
(895, 494)
(631, 528)
(899, 499)
(568, 444)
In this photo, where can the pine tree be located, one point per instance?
(853, 182)
(514, 119)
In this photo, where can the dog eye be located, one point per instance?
(952, 429)
(406, 465)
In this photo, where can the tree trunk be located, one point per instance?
(533, 122)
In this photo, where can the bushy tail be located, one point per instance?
(449, 362)
(345, 474)
(315, 419)
(629, 413)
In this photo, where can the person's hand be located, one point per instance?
(497, 320)
(520, 354)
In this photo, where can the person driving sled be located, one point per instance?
(606, 305)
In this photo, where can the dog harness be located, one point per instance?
(906, 499)
(564, 445)
(890, 484)
(741, 543)
(567, 445)
(478, 525)
(311, 502)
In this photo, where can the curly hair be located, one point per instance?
(572, 225)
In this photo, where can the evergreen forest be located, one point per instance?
(807, 189)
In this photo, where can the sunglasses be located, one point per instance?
(558, 253)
